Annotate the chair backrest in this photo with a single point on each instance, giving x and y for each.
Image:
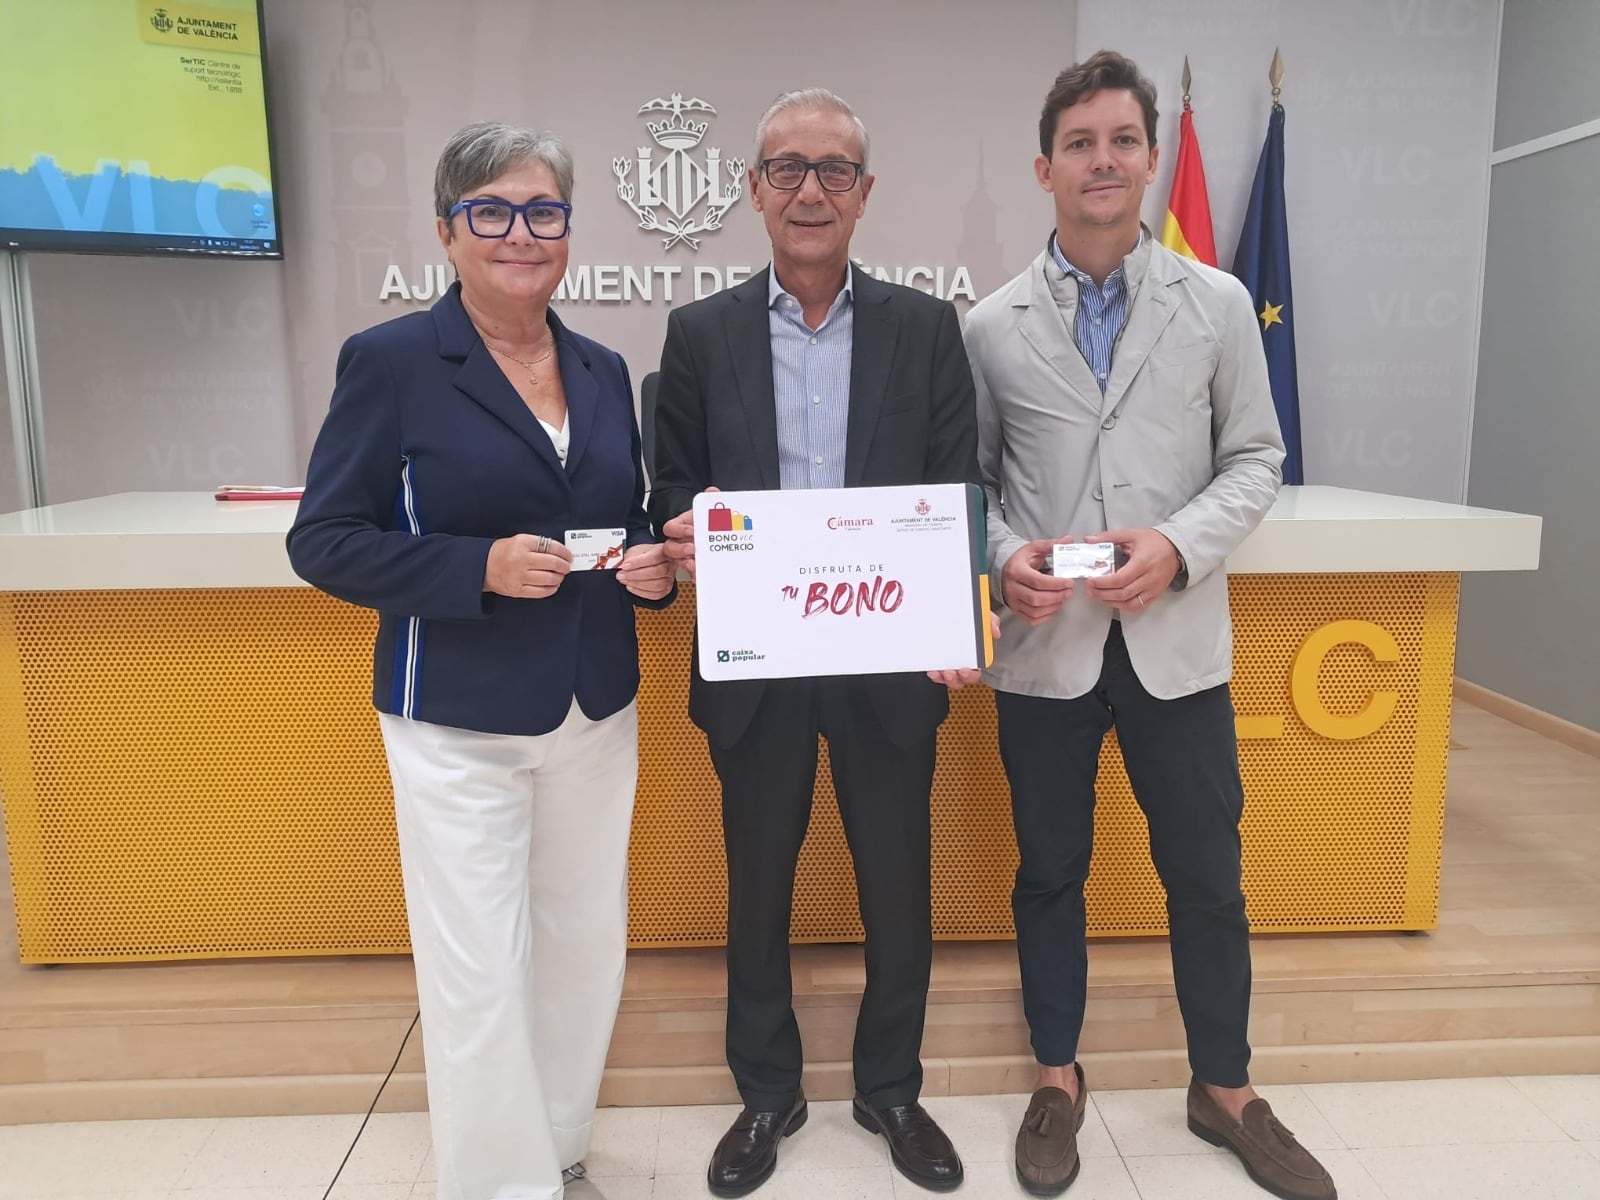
(647, 425)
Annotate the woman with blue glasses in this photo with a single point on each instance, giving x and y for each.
(463, 446)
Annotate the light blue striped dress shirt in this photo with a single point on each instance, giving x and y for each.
(811, 385)
(1101, 314)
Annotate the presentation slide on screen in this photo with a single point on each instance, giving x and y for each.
(134, 125)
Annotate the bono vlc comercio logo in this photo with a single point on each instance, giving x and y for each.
(728, 529)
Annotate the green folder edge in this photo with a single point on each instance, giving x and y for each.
(978, 549)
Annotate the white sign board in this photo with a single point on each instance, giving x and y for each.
(841, 581)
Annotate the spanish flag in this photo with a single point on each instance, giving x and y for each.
(1188, 228)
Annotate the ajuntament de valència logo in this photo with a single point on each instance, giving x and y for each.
(681, 191)
(672, 188)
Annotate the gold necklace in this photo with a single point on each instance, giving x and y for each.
(527, 365)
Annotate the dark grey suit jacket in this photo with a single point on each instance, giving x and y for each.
(912, 420)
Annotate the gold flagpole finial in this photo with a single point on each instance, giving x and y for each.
(1187, 79)
(1275, 74)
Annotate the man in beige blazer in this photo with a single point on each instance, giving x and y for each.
(1123, 397)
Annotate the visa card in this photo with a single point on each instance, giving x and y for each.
(596, 549)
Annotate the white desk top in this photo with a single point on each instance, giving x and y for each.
(189, 540)
(1331, 530)
(147, 540)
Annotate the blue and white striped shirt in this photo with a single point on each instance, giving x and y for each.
(1101, 313)
(811, 386)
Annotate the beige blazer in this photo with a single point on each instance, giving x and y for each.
(1185, 440)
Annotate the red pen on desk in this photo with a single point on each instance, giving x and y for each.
(257, 491)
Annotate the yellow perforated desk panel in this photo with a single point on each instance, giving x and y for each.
(197, 773)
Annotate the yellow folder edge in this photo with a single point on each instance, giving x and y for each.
(983, 619)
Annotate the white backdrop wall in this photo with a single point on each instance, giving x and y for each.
(380, 97)
(1390, 109)
(179, 375)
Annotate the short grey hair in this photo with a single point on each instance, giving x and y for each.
(481, 153)
(811, 99)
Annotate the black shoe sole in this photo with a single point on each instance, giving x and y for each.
(866, 1122)
(744, 1189)
(1216, 1139)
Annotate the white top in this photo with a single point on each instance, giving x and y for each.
(189, 540)
(559, 438)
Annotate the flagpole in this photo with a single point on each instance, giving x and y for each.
(1274, 76)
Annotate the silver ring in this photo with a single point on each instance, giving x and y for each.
(544, 544)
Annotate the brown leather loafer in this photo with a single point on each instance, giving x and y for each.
(748, 1153)
(1269, 1152)
(917, 1146)
(1047, 1143)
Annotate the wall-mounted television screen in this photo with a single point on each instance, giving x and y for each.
(135, 127)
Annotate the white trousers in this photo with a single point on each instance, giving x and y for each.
(514, 852)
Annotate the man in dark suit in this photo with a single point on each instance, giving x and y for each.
(813, 374)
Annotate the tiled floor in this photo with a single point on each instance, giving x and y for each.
(1462, 1139)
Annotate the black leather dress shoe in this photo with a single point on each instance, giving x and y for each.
(748, 1153)
(919, 1148)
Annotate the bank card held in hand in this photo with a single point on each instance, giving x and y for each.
(596, 549)
(1083, 560)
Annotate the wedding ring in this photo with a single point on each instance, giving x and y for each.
(1141, 601)
(544, 544)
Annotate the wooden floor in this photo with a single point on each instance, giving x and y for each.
(1508, 984)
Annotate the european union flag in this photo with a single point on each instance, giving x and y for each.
(1262, 263)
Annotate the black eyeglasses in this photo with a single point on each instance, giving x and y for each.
(789, 174)
(548, 220)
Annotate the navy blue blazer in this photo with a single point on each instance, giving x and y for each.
(426, 457)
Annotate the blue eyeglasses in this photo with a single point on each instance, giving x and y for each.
(548, 220)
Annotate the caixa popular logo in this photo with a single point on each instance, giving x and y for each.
(678, 194)
(728, 529)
